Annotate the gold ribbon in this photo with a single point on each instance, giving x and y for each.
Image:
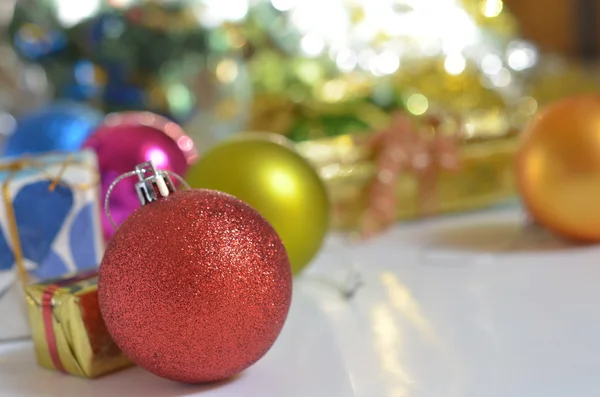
(13, 169)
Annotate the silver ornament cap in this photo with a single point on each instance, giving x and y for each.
(152, 183)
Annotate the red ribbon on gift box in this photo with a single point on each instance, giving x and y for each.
(48, 314)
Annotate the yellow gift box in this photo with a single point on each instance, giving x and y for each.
(68, 331)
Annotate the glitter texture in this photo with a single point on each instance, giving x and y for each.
(195, 287)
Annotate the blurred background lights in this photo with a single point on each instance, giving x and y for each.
(521, 56)
(283, 5)
(217, 12)
(491, 8)
(455, 64)
(334, 91)
(227, 71)
(365, 57)
(70, 12)
(346, 60)
(385, 63)
(121, 3)
(502, 79)
(417, 104)
(491, 64)
(312, 45)
(381, 38)
(376, 35)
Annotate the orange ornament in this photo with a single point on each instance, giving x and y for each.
(558, 168)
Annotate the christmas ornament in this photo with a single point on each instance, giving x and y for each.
(61, 126)
(196, 285)
(558, 171)
(127, 139)
(265, 171)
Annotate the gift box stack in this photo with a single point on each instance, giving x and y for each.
(50, 226)
(50, 229)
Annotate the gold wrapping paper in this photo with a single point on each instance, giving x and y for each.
(68, 331)
(485, 178)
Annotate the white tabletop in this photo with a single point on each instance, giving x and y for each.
(457, 307)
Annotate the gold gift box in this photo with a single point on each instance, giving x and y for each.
(68, 331)
(485, 178)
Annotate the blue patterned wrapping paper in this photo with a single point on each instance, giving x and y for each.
(59, 230)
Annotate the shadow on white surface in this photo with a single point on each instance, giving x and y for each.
(499, 237)
(305, 361)
(22, 377)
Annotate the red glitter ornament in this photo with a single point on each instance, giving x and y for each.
(195, 287)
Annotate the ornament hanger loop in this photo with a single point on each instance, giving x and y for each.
(347, 288)
(152, 184)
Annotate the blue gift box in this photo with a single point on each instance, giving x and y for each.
(49, 226)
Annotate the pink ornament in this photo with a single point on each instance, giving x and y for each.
(126, 139)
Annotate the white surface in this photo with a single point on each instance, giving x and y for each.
(458, 307)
